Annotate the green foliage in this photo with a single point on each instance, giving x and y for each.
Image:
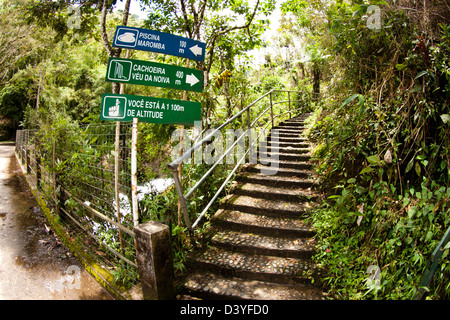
(382, 150)
(203, 195)
(55, 15)
(153, 149)
(14, 99)
(159, 207)
(123, 275)
(59, 82)
(379, 226)
(381, 127)
(180, 247)
(271, 83)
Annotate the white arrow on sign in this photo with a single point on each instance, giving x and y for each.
(196, 50)
(191, 79)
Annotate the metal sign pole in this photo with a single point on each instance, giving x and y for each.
(180, 166)
(121, 107)
(134, 202)
(116, 167)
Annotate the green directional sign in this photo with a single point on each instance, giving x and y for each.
(154, 74)
(123, 107)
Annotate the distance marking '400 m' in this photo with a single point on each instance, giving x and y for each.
(154, 74)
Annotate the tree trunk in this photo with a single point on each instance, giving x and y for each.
(316, 83)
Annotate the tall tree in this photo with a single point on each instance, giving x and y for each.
(207, 21)
(309, 25)
(112, 52)
(16, 42)
(65, 16)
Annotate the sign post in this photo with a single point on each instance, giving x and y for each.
(154, 74)
(160, 42)
(122, 107)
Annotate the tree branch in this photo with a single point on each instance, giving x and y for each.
(109, 49)
(200, 20)
(104, 36)
(126, 13)
(186, 20)
(249, 22)
(218, 34)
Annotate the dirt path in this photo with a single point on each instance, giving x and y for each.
(34, 264)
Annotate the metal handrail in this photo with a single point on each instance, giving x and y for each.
(174, 164)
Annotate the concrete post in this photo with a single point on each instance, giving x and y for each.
(154, 260)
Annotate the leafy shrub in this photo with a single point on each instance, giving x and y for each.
(382, 154)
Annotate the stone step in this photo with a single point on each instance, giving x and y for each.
(274, 137)
(275, 193)
(285, 132)
(292, 164)
(211, 286)
(260, 246)
(256, 267)
(302, 116)
(297, 124)
(288, 129)
(291, 123)
(267, 157)
(289, 139)
(284, 144)
(276, 181)
(296, 120)
(274, 169)
(285, 150)
(282, 126)
(261, 224)
(301, 248)
(261, 206)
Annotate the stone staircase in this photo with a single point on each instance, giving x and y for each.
(260, 247)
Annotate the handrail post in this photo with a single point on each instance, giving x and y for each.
(134, 201)
(249, 132)
(289, 104)
(271, 107)
(181, 198)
